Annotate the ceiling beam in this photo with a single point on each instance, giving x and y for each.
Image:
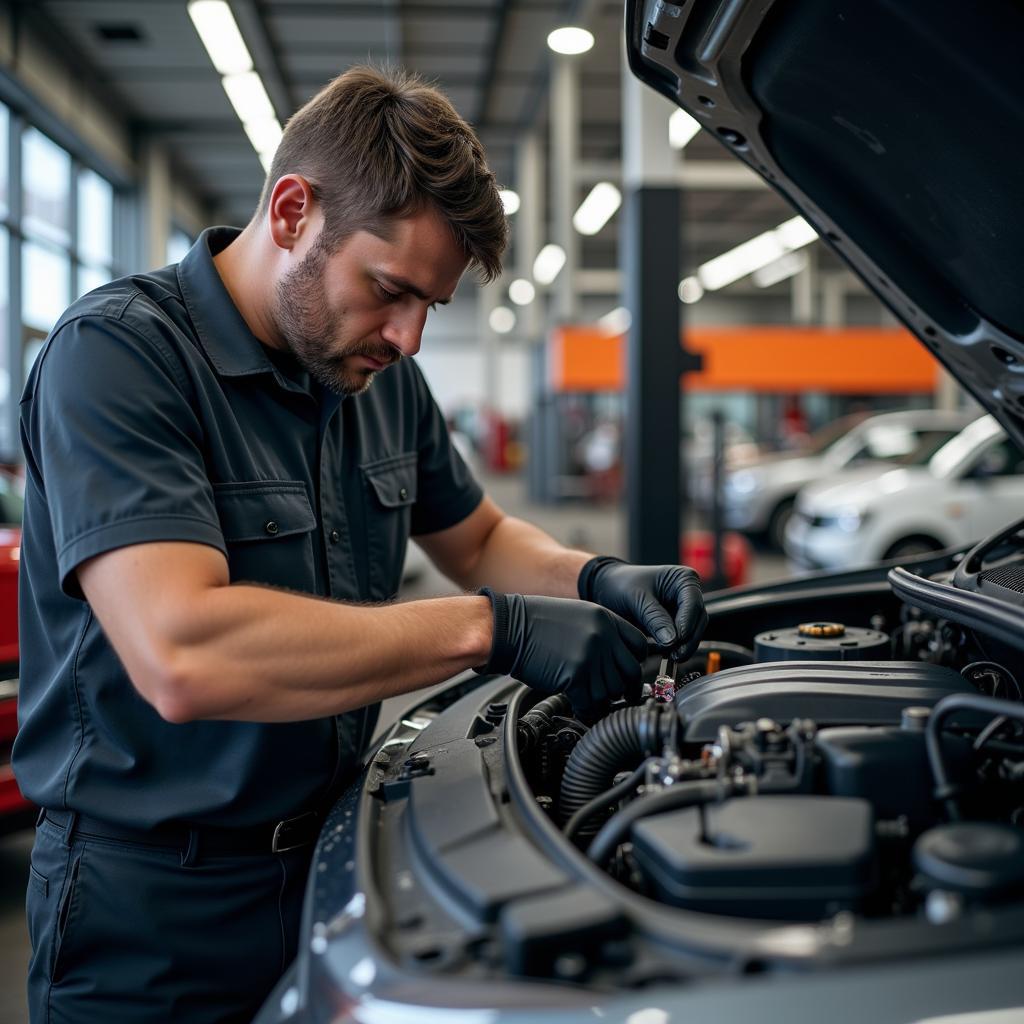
(491, 64)
(695, 175)
(373, 10)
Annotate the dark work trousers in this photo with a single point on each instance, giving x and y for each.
(123, 932)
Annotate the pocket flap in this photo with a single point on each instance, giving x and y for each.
(393, 480)
(263, 509)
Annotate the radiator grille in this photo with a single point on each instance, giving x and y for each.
(1009, 576)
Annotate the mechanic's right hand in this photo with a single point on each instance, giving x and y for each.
(557, 645)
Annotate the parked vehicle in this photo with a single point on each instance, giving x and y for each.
(15, 811)
(758, 498)
(822, 820)
(973, 484)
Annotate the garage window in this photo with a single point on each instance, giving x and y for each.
(57, 218)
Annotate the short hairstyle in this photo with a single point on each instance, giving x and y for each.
(377, 144)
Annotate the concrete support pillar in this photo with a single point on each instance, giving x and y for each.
(156, 213)
(947, 391)
(527, 226)
(650, 260)
(564, 146)
(802, 291)
(833, 299)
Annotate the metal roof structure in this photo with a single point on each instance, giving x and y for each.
(490, 57)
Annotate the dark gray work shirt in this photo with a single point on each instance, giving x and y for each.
(153, 414)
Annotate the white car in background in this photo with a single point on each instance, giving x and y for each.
(758, 498)
(970, 486)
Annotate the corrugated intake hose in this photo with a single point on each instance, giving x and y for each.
(617, 743)
(537, 722)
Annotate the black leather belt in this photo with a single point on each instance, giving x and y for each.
(211, 840)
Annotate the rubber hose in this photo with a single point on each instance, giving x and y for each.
(536, 723)
(945, 791)
(685, 794)
(616, 743)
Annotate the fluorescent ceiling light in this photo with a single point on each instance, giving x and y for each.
(248, 97)
(596, 210)
(785, 266)
(570, 40)
(681, 129)
(795, 232)
(617, 321)
(510, 200)
(502, 319)
(217, 29)
(756, 253)
(264, 135)
(548, 264)
(690, 290)
(521, 291)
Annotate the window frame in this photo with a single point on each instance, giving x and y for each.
(24, 112)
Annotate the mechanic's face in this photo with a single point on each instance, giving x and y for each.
(349, 314)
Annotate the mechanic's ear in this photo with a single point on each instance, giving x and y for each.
(292, 211)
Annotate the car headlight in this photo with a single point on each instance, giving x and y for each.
(849, 520)
(743, 481)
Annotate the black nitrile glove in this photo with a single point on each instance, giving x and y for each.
(557, 645)
(664, 600)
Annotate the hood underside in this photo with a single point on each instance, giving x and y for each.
(894, 128)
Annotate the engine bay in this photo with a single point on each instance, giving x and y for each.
(835, 778)
(871, 767)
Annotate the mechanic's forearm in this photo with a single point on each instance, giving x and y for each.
(518, 557)
(255, 654)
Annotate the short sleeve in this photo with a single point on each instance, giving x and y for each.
(447, 492)
(115, 444)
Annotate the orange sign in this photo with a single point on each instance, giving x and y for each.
(847, 360)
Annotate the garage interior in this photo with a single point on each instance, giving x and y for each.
(642, 254)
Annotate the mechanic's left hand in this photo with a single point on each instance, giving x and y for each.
(664, 600)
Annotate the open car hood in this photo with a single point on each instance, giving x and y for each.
(894, 128)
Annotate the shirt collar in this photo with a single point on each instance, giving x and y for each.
(225, 336)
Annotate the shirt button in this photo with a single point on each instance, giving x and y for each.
(272, 528)
(403, 494)
(334, 536)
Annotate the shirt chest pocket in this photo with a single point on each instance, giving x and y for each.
(268, 527)
(390, 489)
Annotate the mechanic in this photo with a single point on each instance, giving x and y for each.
(217, 509)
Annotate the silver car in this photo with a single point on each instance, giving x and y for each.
(758, 498)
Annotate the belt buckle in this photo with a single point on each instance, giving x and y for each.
(280, 843)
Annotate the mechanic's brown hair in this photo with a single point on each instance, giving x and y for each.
(377, 144)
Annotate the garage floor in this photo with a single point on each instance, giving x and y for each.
(594, 528)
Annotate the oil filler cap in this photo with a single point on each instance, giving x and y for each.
(821, 629)
(822, 641)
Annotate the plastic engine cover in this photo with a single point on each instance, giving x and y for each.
(828, 692)
(792, 857)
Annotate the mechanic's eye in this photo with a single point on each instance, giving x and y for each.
(385, 294)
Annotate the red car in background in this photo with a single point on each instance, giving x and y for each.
(15, 810)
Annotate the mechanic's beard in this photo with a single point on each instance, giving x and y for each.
(311, 329)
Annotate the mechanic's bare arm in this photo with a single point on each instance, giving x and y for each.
(198, 647)
(489, 548)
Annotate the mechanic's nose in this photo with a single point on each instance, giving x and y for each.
(405, 331)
